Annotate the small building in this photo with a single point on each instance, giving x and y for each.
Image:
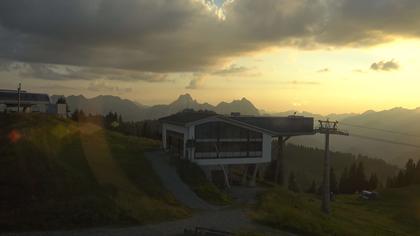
(23, 101)
(217, 142)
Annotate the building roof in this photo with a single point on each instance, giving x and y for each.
(11, 97)
(275, 126)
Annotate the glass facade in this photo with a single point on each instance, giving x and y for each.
(223, 140)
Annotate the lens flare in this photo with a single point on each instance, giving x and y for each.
(14, 136)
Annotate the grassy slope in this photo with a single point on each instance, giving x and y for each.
(396, 212)
(48, 180)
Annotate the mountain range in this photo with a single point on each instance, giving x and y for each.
(391, 135)
(133, 111)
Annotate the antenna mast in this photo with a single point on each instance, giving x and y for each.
(19, 91)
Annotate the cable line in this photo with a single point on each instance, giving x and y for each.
(384, 140)
(382, 130)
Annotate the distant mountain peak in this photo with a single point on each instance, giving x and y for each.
(245, 100)
(368, 112)
(185, 100)
(186, 96)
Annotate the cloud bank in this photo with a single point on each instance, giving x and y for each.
(163, 36)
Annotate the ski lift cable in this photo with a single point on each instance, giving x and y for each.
(379, 129)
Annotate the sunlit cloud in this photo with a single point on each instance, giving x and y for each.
(197, 82)
(231, 70)
(106, 87)
(298, 82)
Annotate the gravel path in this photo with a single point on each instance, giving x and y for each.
(173, 183)
(227, 220)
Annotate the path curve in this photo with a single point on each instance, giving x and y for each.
(233, 220)
(173, 183)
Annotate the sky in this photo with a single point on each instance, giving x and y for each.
(321, 56)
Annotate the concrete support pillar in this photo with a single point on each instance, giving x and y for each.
(279, 174)
(244, 175)
(226, 175)
(253, 181)
(261, 172)
(207, 172)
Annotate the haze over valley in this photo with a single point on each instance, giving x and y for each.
(370, 124)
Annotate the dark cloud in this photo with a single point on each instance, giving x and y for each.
(60, 72)
(385, 66)
(369, 22)
(184, 35)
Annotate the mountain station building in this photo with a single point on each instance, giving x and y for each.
(219, 142)
(27, 102)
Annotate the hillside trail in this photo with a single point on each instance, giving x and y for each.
(173, 183)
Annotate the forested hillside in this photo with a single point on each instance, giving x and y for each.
(307, 164)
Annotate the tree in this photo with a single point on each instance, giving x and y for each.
(373, 182)
(313, 188)
(333, 182)
(417, 176)
(61, 100)
(409, 176)
(344, 182)
(410, 172)
(78, 116)
(293, 186)
(74, 115)
(390, 182)
(352, 179)
(361, 182)
(400, 180)
(145, 131)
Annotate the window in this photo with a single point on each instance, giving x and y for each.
(205, 147)
(207, 131)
